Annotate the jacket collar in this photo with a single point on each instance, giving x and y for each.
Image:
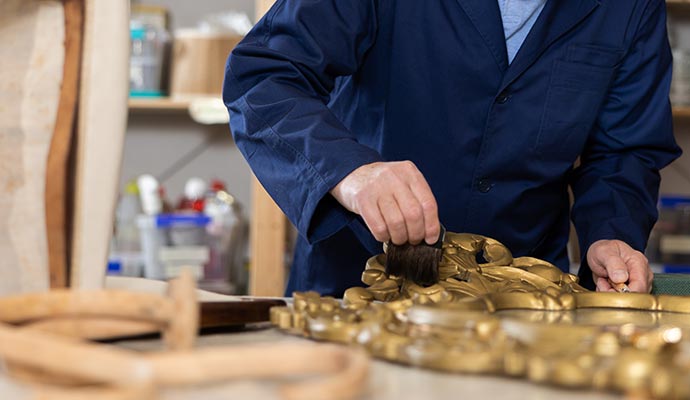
(486, 18)
(556, 19)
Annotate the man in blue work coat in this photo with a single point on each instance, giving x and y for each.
(368, 120)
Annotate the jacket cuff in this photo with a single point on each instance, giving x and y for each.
(322, 215)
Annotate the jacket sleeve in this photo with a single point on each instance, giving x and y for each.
(617, 183)
(277, 86)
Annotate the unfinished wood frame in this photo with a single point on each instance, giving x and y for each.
(57, 171)
(66, 367)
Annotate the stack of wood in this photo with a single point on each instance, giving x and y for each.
(44, 344)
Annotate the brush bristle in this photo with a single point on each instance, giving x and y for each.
(416, 263)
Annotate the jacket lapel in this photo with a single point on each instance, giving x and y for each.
(486, 17)
(556, 19)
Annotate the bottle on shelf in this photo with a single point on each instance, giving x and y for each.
(126, 247)
(151, 238)
(194, 196)
(228, 234)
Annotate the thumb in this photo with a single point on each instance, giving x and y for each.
(616, 268)
(609, 259)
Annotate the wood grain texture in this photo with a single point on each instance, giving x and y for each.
(268, 227)
(57, 169)
(212, 315)
(199, 63)
(96, 328)
(220, 314)
(32, 52)
(101, 128)
(267, 236)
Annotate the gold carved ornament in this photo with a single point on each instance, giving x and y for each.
(518, 317)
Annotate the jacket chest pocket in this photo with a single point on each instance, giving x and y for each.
(575, 95)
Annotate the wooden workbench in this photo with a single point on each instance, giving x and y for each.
(388, 381)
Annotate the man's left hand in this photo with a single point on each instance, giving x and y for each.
(617, 261)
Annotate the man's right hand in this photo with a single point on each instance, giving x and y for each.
(394, 200)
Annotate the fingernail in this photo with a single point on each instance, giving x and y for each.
(619, 276)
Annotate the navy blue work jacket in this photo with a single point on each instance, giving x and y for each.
(321, 87)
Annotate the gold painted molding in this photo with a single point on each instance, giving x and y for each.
(518, 317)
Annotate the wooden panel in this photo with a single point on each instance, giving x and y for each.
(162, 104)
(267, 230)
(101, 129)
(57, 169)
(32, 55)
(199, 63)
(681, 112)
(262, 6)
(246, 311)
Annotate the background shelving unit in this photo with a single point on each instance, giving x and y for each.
(163, 104)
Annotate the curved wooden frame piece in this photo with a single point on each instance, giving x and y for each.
(95, 328)
(65, 367)
(108, 314)
(183, 326)
(65, 303)
(56, 194)
(518, 317)
(36, 357)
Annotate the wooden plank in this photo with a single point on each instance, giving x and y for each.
(681, 112)
(32, 52)
(199, 62)
(267, 231)
(262, 6)
(57, 168)
(163, 104)
(101, 128)
(247, 311)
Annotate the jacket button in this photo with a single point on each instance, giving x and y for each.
(484, 185)
(503, 98)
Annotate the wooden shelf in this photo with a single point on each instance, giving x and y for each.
(163, 104)
(681, 112)
(681, 7)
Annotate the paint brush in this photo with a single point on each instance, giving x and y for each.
(416, 262)
(619, 287)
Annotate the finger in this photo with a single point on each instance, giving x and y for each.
(421, 190)
(395, 222)
(603, 285)
(412, 214)
(375, 222)
(640, 274)
(594, 256)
